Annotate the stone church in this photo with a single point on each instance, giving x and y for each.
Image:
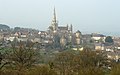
(64, 33)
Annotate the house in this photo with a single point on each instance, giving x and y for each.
(24, 39)
(78, 37)
(109, 47)
(10, 38)
(86, 38)
(98, 37)
(114, 55)
(99, 46)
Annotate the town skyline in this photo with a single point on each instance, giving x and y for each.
(96, 18)
(59, 37)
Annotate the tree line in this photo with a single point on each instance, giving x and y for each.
(23, 60)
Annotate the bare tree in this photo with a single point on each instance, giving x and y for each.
(23, 56)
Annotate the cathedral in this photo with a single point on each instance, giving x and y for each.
(55, 28)
(61, 37)
(64, 33)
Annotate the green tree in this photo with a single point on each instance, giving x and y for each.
(4, 52)
(109, 39)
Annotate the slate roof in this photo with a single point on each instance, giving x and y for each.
(62, 28)
(98, 35)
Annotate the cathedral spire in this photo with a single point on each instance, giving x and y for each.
(54, 22)
(54, 15)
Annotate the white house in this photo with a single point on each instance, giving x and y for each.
(98, 37)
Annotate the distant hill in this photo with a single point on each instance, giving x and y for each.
(4, 27)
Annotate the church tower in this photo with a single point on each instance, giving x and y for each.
(71, 28)
(54, 23)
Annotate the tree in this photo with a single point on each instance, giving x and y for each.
(42, 70)
(56, 42)
(23, 57)
(4, 27)
(109, 39)
(16, 29)
(4, 52)
(63, 62)
(84, 62)
(115, 70)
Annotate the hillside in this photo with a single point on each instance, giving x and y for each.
(4, 27)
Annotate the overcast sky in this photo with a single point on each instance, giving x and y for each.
(85, 15)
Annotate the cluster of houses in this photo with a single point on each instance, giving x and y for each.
(62, 37)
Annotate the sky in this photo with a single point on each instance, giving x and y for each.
(84, 15)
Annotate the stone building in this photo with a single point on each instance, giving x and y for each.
(78, 37)
(61, 31)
